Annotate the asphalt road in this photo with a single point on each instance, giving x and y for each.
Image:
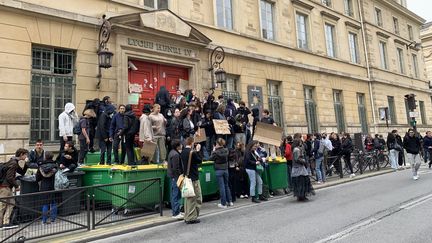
(387, 208)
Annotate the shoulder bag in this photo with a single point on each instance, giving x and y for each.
(187, 189)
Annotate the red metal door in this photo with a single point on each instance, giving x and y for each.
(151, 77)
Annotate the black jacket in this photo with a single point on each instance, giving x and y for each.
(250, 160)
(162, 97)
(175, 167)
(36, 159)
(195, 161)
(412, 144)
(71, 163)
(172, 129)
(220, 158)
(208, 126)
(103, 126)
(347, 146)
(46, 175)
(131, 124)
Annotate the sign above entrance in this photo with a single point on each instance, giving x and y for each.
(161, 47)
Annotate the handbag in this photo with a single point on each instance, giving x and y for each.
(187, 189)
(181, 177)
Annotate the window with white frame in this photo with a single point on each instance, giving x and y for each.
(156, 4)
(349, 8)
(383, 54)
(353, 45)
(267, 20)
(224, 14)
(415, 65)
(230, 88)
(302, 31)
(330, 40)
(378, 17)
(52, 86)
(400, 55)
(396, 25)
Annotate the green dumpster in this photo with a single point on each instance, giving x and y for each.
(167, 192)
(277, 174)
(137, 195)
(207, 177)
(94, 158)
(98, 175)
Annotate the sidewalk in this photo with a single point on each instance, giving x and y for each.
(208, 208)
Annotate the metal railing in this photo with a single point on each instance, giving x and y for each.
(43, 214)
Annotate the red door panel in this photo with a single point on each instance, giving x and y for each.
(152, 76)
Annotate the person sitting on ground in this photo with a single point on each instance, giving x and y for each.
(46, 176)
(68, 159)
(37, 155)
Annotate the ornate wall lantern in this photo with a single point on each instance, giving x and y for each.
(216, 57)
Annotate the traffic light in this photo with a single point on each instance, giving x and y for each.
(411, 101)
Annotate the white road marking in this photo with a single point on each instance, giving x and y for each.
(349, 231)
(416, 202)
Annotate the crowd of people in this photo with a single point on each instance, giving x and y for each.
(171, 125)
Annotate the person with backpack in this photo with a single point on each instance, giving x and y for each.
(158, 124)
(67, 120)
(393, 149)
(207, 124)
(8, 173)
(84, 136)
(174, 170)
(102, 133)
(93, 121)
(68, 159)
(45, 176)
(116, 127)
(131, 127)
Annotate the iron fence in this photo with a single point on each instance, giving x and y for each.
(43, 214)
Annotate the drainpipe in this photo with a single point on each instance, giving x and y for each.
(360, 7)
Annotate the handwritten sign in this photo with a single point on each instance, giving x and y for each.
(268, 134)
(221, 127)
(148, 149)
(135, 88)
(200, 136)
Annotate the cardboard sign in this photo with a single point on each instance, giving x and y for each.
(183, 85)
(268, 134)
(221, 127)
(200, 136)
(148, 149)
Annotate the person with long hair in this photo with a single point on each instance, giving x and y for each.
(392, 146)
(252, 160)
(347, 148)
(301, 183)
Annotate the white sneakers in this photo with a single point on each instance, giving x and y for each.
(231, 204)
(415, 177)
(352, 175)
(222, 206)
(179, 216)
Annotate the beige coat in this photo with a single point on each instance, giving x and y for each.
(145, 131)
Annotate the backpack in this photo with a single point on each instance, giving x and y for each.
(322, 149)
(60, 181)
(3, 171)
(77, 128)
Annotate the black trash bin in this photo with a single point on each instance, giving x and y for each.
(73, 203)
(24, 203)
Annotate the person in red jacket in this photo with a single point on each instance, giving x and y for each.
(289, 157)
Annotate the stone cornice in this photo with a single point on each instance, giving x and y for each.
(406, 12)
(382, 34)
(302, 4)
(39, 9)
(353, 25)
(329, 15)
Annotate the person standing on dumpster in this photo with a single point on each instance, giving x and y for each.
(115, 130)
(192, 204)
(130, 128)
(175, 169)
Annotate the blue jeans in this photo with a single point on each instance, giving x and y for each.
(52, 213)
(320, 172)
(255, 180)
(394, 156)
(224, 190)
(175, 197)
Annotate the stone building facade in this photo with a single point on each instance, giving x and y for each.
(318, 65)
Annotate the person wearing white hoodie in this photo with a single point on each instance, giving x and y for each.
(67, 119)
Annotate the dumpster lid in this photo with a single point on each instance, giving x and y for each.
(207, 162)
(121, 167)
(278, 159)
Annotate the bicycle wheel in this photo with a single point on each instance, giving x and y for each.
(384, 161)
